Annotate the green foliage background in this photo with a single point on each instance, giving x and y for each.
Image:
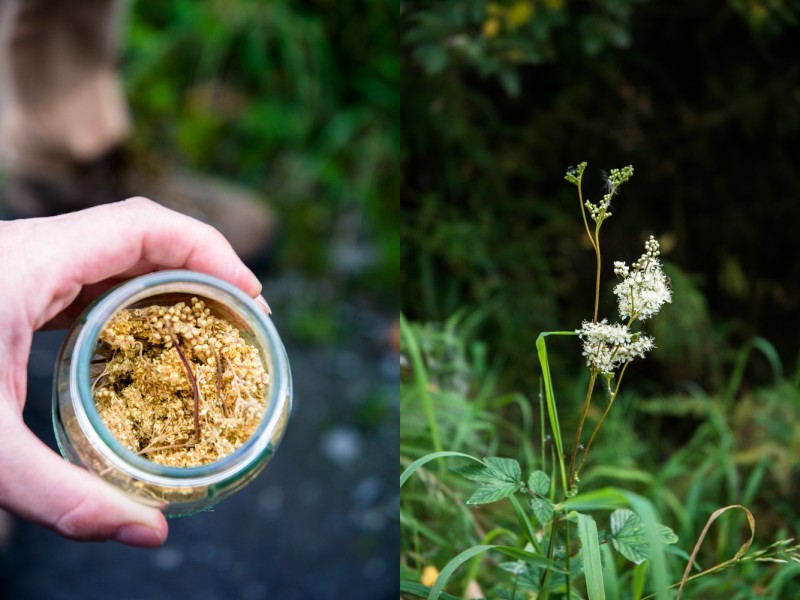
(298, 101)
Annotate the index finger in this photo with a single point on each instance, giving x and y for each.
(117, 241)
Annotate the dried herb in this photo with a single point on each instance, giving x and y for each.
(178, 384)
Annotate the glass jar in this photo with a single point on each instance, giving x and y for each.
(84, 439)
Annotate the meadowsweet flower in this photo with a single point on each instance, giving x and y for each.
(644, 288)
(607, 346)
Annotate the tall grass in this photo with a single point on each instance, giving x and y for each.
(742, 451)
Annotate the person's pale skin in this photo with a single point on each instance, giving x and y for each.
(49, 268)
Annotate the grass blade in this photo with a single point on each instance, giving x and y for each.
(422, 591)
(552, 410)
(610, 498)
(525, 522)
(745, 547)
(421, 379)
(592, 566)
(410, 469)
(450, 567)
(658, 561)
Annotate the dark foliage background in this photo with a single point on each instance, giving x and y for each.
(703, 98)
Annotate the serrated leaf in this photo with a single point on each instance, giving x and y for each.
(504, 468)
(542, 509)
(499, 478)
(477, 473)
(628, 536)
(492, 492)
(539, 483)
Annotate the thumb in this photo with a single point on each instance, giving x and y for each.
(36, 484)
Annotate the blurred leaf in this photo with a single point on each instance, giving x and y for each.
(629, 538)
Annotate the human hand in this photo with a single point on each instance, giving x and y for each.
(45, 264)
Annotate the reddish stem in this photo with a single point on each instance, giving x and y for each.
(192, 378)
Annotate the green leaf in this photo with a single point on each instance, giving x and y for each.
(628, 535)
(492, 492)
(505, 467)
(592, 566)
(499, 478)
(542, 509)
(539, 483)
(477, 473)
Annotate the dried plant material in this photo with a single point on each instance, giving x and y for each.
(178, 384)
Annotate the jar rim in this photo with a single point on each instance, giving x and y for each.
(195, 284)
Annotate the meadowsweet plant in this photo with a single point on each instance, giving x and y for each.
(641, 292)
(551, 558)
(572, 542)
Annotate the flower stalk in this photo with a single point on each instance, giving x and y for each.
(609, 348)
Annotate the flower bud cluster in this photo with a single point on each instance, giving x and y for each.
(619, 176)
(599, 212)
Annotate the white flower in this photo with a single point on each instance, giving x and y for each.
(644, 288)
(608, 346)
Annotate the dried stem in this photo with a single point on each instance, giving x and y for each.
(192, 378)
(149, 449)
(219, 383)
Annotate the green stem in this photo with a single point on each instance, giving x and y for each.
(576, 443)
(567, 542)
(583, 214)
(596, 245)
(544, 583)
(603, 418)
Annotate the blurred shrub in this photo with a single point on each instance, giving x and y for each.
(297, 100)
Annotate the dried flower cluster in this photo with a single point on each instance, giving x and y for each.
(644, 289)
(178, 384)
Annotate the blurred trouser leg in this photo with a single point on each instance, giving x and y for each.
(63, 118)
(61, 104)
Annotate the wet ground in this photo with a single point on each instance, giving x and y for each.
(321, 522)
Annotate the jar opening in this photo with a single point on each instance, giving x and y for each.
(167, 288)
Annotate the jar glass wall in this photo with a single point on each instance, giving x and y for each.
(85, 440)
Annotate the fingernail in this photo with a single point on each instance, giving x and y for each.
(263, 304)
(135, 534)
